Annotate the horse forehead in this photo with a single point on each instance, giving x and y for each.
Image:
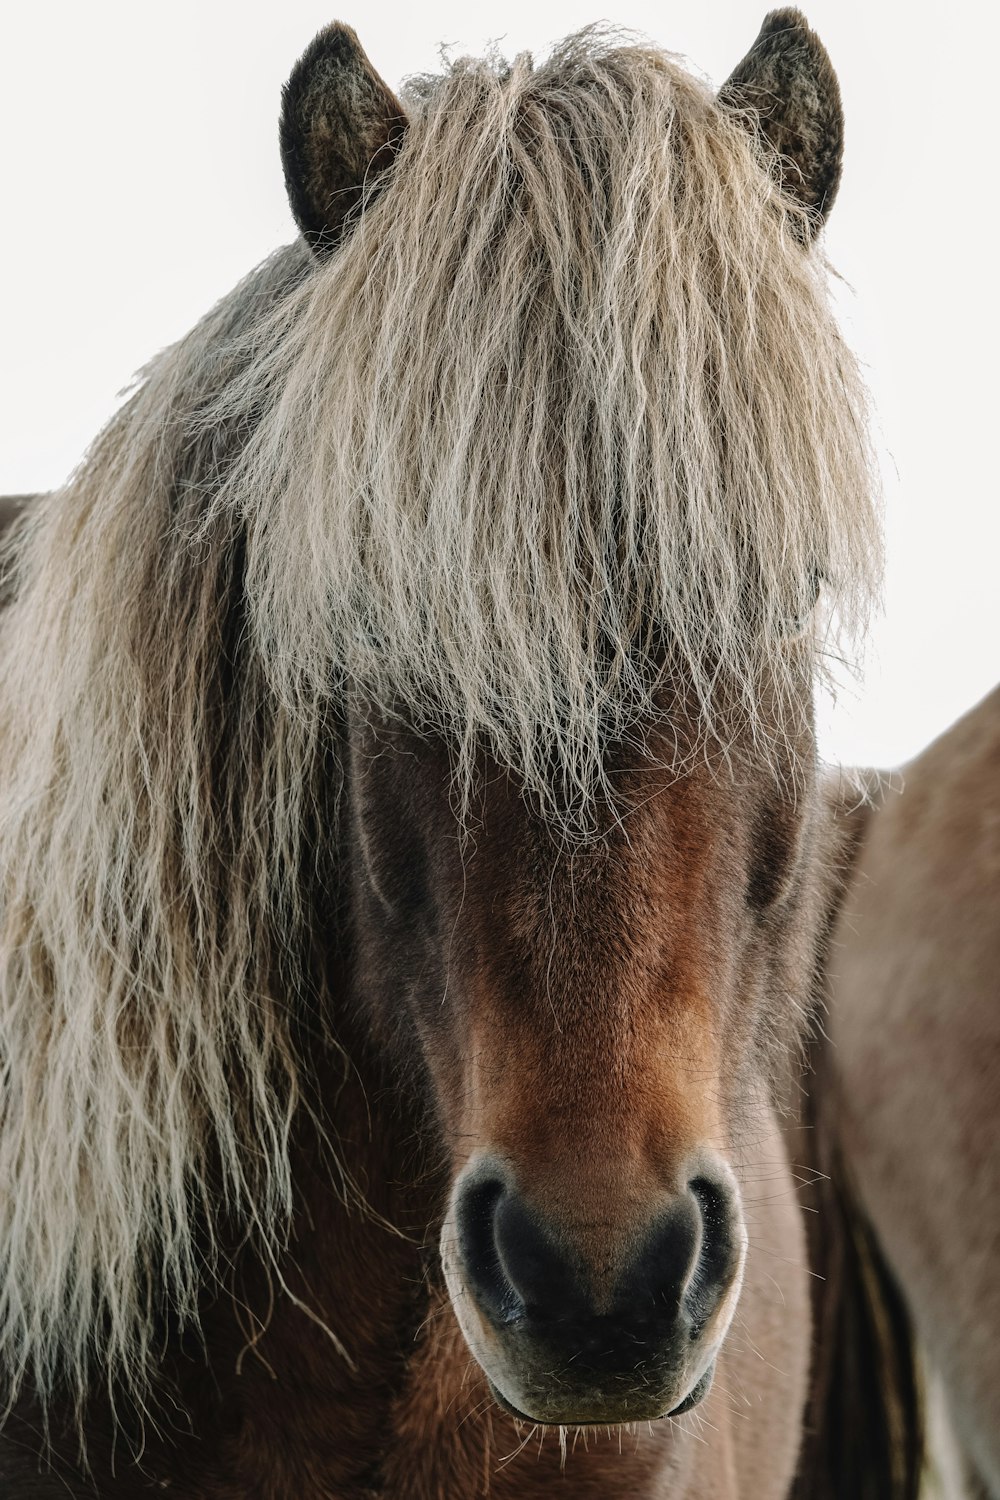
(670, 847)
(668, 844)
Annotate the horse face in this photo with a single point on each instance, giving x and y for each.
(590, 1020)
(589, 1017)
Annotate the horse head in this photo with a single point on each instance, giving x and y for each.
(584, 1003)
(428, 646)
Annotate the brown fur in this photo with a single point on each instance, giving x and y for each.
(865, 1377)
(863, 1425)
(916, 1030)
(412, 1418)
(295, 920)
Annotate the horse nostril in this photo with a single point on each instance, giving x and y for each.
(475, 1220)
(688, 1259)
(548, 1285)
(718, 1252)
(511, 1264)
(653, 1283)
(518, 1269)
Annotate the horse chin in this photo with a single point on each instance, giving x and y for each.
(698, 1392)
(614, 1417)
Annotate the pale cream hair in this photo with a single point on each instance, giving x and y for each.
(567, 411)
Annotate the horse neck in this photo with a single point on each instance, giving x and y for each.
(305, 1359)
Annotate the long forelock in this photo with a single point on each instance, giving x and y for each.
(568, 406)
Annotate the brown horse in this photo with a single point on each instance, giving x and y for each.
(915, 1031)
(411, 857)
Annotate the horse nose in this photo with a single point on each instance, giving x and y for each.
(672, 1275)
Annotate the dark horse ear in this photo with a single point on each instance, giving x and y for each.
(341, 127)
(788, 82)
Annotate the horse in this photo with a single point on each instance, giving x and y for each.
(915, 1058)
(412, 853)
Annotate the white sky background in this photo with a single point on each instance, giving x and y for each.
(141, 180)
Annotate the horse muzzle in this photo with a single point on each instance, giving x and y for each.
(567, 1336)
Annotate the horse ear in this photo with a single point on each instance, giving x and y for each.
(341, 127)
(787, 84)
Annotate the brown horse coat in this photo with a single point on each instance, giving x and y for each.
(914, 975)
(412, 857)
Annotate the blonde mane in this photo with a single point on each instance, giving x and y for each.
(568, 402)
